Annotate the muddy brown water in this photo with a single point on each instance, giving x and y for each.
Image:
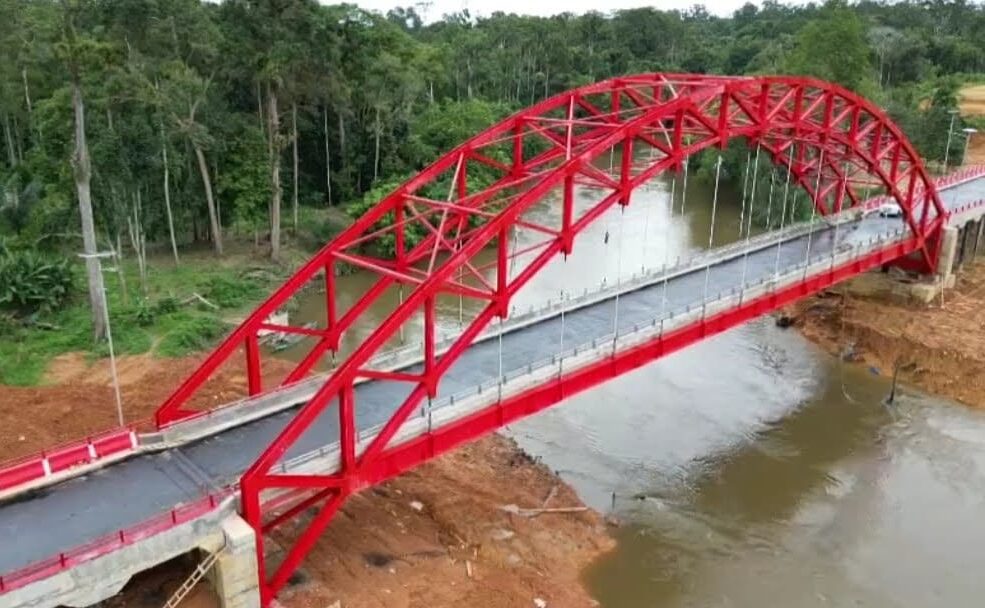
(751, 469)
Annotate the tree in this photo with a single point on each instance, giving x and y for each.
(181, 94)
(75, 51)
(833, 47)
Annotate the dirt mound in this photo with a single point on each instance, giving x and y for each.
(439, 536)
(940, 350)
(976, 150)
(78, 397)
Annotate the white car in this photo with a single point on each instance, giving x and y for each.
(890, 210)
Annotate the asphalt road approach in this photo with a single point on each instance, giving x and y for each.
(69, 514)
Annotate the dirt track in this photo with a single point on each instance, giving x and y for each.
(971, 101)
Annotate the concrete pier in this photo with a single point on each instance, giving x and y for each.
(950, 239)
(234, 575)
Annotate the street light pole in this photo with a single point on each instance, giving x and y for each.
(967, 143)
(950, 132)
(109, 334)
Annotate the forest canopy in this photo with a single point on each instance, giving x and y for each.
(207, 121)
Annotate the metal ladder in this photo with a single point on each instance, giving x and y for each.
(200, 571)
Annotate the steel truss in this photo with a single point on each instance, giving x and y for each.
(835, 144)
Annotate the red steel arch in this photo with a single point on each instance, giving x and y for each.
(835, 143)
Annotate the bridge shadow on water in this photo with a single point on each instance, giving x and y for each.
(723, 522)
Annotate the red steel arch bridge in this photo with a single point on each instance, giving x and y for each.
(448, 235)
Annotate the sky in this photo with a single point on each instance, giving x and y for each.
(438, 8)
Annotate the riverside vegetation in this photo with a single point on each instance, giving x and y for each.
(212, 144)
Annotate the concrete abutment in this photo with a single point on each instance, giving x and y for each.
(234, 576)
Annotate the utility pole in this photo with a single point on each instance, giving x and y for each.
(950, 132)
(97, 259)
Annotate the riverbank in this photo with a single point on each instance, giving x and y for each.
(939, 350)
(442, 535)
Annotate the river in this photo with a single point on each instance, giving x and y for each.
(751, 469)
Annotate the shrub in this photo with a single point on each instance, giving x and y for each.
(166, 305)
(31, 282)
(191, 334)
(144, 314)
(229, 292)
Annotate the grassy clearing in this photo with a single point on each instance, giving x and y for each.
(166, 320)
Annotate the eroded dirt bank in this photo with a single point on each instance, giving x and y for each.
(939, 350)
(440, 536)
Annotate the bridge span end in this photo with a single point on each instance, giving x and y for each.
(222, 531)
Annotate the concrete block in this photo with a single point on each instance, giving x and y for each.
(949, 251)
(234, 575)
(895, 288)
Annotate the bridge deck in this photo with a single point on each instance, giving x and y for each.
(57, 518)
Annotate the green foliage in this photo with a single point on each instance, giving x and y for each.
(377, 98)
(144, 314)
(327, 229)
(925, 113)
(244, 183)
(32, 282)
(442, 126)
(190, 333)
(384, 244)
(833, 47)
(229, 291)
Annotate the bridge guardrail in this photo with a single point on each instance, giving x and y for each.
(943, 182)
(443, 404)
(413, 353)
(410, 354)
(112, 442)
(45, 463)
(444, 408)
(111, 542)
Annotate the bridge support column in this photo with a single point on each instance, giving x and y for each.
(979, 242)
(949, 252)
(234, 575)
(959, 256)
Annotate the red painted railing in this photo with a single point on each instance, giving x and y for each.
(109, 543)
(945, 181)
(66, 456)
(962, 175)
(119, 440)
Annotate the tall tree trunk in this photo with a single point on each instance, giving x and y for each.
(328, 163)
(138, 240)
(27, 93)
(294, 141)
(83, 175)
(273, 127)
(203, 168)
(215, 180)
(11, 151)
(17, 142)
(260, 116)
(120, 273)
(167, 196)
(431, 91)
(341, 140)
(376, 153)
